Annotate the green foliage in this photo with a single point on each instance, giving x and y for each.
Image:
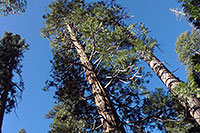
(65, 121)
(100, 28)
(12, 48)
(188, 50)
(71, 90)
(192, 10)
(187, 45)
(164, 111)
(12, 7)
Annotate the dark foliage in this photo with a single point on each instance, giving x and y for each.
(12, 48)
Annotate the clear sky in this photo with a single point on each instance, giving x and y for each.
(155, 14)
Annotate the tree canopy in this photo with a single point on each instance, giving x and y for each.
(188, 50)
(97, 70)
(115, 64)
(101, 29)
(12, 7)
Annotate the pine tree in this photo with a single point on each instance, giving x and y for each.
(12, 48)
(83, 36)
(80, 29)
(191, 103)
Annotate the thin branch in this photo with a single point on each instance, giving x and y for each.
(112, 78)
(126, 69)
(135, 75)
(91, 104)
(108, 83)
(123, 81)
(16, 86)
(98, 127)
(98, 59)
(93, 44)
(87, 41)
(101, 58)
(94, 125)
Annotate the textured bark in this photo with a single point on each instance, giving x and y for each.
(3, 100)
(109, 118)
(170, 81)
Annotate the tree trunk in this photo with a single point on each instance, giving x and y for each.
(3, 100)
(170, 81)
(109, 118)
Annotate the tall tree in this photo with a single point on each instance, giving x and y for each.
(70, 23)
(110, 119)
(83, 30)
(191, 103)
(85, 37)
(12, 7)
(12, 48)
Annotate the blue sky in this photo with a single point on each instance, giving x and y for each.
(154, 14)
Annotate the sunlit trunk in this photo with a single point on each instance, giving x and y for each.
(170, 81)
(109, 118)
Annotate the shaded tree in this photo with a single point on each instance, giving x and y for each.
(73, 110)
(12, 48)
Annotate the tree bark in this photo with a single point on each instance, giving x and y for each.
(3, 100)
(170, 81)
(109, 118)
(192, 104)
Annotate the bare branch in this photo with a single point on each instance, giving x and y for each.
(16, 86)
(108, 83)
(99, 61)
(123, 81)
(135, 75)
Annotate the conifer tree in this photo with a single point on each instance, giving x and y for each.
(83, 36)
(12, 48)
(60, 31)
(191, 103)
